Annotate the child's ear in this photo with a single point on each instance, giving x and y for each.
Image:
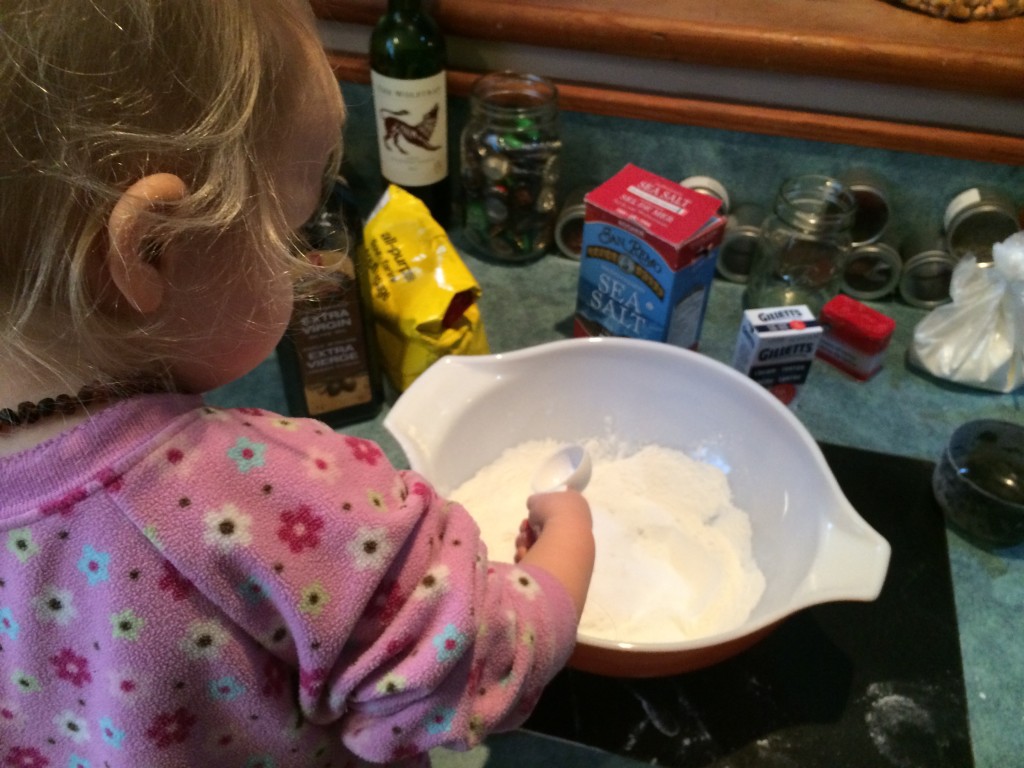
(132, 256)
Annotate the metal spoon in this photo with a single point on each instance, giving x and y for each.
(568, 467)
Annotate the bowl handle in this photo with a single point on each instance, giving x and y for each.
(851, 565)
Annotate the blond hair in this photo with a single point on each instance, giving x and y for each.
(97, 94)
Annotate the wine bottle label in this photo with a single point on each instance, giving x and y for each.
(412, 128)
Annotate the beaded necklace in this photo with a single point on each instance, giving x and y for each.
(28, 413)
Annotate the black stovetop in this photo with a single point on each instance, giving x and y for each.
(844, 685)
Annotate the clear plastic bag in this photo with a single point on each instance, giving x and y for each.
(978, 338)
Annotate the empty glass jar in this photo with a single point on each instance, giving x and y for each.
(510, 152)
(803, 245)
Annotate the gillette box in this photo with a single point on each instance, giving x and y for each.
(776, 347)
(647, 259)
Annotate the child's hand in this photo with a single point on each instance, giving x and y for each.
(542, 507)
(546, 508)
(526, 538)
(558, 536)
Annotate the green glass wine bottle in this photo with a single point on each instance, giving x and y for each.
(407, 68)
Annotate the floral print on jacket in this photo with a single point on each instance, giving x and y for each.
(183, 585)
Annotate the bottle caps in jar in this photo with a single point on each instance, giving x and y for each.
(510, 149)
(976, 219)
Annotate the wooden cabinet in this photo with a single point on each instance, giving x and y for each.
(863, 72)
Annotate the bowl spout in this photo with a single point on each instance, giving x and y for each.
(851, 564)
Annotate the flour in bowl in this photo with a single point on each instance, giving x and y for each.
(674, 559)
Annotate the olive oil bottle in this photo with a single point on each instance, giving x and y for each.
(328, 355)
(410, 100)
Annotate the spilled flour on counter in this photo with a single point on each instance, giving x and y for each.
(674, 559)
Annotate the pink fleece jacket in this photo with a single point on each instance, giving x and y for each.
(184, 586)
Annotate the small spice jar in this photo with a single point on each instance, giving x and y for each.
(510, 164)
(927, 271)
(871, 193)
(569, 225)
(978, 218)
(709, 186)
(739, 243)
(872, 271)
(803, 244)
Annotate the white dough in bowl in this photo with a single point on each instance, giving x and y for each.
(674, 559)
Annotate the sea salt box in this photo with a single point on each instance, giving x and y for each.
(647, 259)
(776, 347)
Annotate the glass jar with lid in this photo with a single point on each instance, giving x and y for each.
(803, 245)
(510, 164)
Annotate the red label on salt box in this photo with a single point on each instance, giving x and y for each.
(663, 210)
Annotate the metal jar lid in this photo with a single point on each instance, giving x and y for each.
(872, 271)
(927, 272)
(976, 219)
(569, 225)
(739, 242)
(871, 192)
(709, 186)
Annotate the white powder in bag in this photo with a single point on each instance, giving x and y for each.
(674, 559)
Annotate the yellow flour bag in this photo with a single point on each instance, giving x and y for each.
(424, 297)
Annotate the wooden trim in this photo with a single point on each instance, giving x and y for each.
(866, 40)
(838, 129)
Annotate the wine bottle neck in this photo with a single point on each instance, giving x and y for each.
(405, 6)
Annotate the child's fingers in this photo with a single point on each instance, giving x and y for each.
(526, 538)
(543, 506)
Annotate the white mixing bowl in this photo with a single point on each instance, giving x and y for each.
(812, 546)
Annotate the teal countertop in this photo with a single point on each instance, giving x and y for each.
(900, 411)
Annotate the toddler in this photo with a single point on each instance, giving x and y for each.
(189, 586)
